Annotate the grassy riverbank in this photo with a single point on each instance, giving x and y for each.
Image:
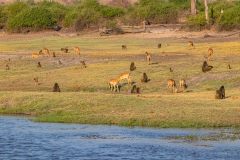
(85, 97)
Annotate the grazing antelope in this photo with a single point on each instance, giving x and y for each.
(114, 85)
(123, 76)
(171, 84)
(182, 84)
(148, 57)
(46, 52)
(35, 55)
(77, 50)
(190, 44)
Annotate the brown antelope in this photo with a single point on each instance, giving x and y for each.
(123, 76)
(35, 55)
(171, 84)
(77, 50)
(182, 84)
(210, 53)
(46, 52)
(148, 57)
(114, 85)
(190, 44)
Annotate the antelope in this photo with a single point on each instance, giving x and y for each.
(123, 76)
(183, 84)
(35, 55)
(46, 52)
(77, 50)
(148, 57)
(171, 84)
(210, 53)
(114, 85)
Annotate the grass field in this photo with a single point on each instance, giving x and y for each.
(86, 98)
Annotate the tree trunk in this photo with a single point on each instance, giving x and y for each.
(206, 11)
(193, 7)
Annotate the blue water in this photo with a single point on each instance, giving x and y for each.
(21, 138)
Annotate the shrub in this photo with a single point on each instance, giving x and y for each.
(197, 22)
(111, 12)
(36, 18)
(70, 18)
(15, 8)
(3, 17)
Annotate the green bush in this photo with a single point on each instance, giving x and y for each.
(111, 12)
(3, 17)
(70, 18)
(35, 18)
(15, 8)
(197, 22)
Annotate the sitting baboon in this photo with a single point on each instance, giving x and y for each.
(39, 65)
(182, 84)
(206, 67)
(7, 67)
(190, 43)
(114, 85)
(124, 47)
(170, 69)
(135, 89)
(53, 54)
(56, 88)
(159, 45)
(171, 84)
(83, 64)
(36, 81)
(132, 66)
(229, 66)
(145, 78)
(220, 94)
(65, 50)
(148, 57)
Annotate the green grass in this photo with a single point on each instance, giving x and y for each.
(85, 97)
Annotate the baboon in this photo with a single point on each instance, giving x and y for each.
(206, 67)
(56, 88)
(145, 78)
(190, 43)
(36, 81)
(132, 66)
(7, 67)
(220, 94)
(77, 50)
(159, 45)
(9, 59)
(148, 57)
(65, 50)
(114, 85)
(170, 69)
(182, 84)
(171, 84)
(39, 65)
(124, 47)
(135, 89)
(83, 64)
(59, 62)
(229, 66)
(53, 54)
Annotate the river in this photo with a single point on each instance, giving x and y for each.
(21, 138)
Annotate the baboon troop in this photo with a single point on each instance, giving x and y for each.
(36, 81)
(135, 90)
(124, 47)
(56, 88)
(39, 65)
(64, 50)
(206, 67)
(114, 85)
(148, 57)
(220, 93)
(132, 66)
(7, 67)
(159, 45)
(83, 64)
(145, 78)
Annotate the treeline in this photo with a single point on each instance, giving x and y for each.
(30, 16)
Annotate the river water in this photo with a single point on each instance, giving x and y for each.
(21, 138)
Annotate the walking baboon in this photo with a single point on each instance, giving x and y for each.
(65, 50)
(39, 65)
(148, 57)
(53, 54)
(36, 81)
(135, 89)
(159, 45)
(77, 50)
(183, 84)
(7, 67)
(83, 64)
(145, 78)
(132, 66)
(206, 67)
(170, 69)
(56, 88)
(229, 66)
(124, 47)
(220, 94)
(114, 85)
